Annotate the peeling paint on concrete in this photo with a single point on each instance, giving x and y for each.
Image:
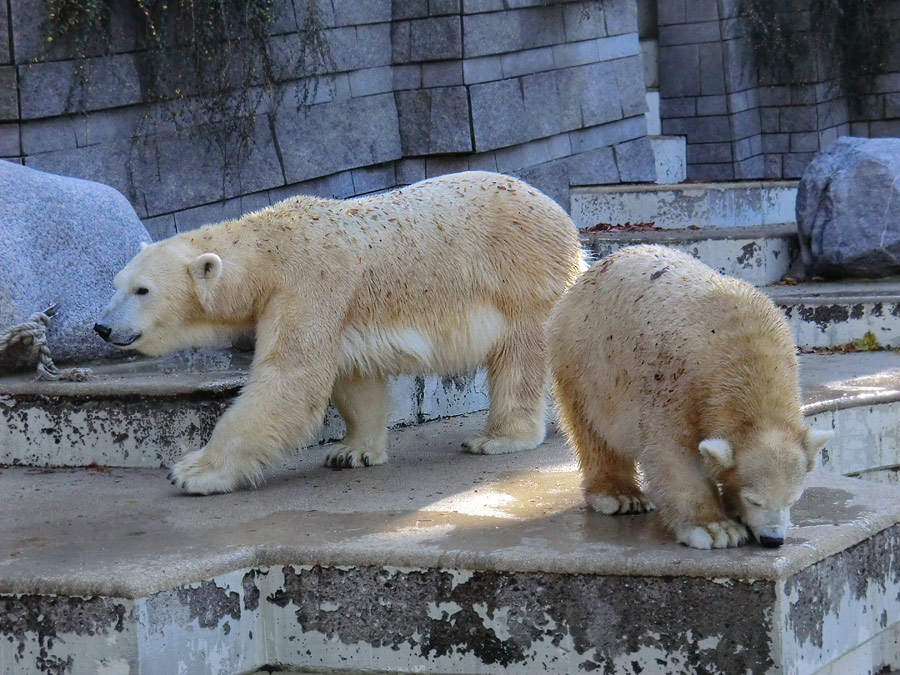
(47, 634)
(841, 602)
(201, 628)
(837, 323)
(513, 621)
(209, 604)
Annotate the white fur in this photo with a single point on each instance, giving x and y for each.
(718, 534)
(440, 277)
(718, 450)
(660, 361)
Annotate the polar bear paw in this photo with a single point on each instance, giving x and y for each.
(719, 534)
(497, 445)
(196, 474)
(350, 457)
(612, 504)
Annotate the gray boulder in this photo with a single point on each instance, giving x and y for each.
(848, 209)
(62, 240)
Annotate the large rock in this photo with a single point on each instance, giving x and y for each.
(62, 240)
(848, 209)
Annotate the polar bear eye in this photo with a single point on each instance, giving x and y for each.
(751, 501)
(143, 290)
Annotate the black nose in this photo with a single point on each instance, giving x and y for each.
(771, 542)
(103, 331)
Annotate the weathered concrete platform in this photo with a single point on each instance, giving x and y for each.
(437, 562)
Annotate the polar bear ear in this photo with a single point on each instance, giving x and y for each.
(144, 245)
(717, 451)
(815, 440)
(206, 267)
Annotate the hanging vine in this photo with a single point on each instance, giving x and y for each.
(207, 66)
(792, 38)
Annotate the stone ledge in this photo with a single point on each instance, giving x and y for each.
(680, 205)
(441, 561)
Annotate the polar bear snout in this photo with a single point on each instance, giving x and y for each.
(113, 329)
(770, 542)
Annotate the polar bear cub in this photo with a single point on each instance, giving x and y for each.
(659, 360)
(438, 277)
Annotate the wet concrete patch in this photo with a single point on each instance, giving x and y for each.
(825, 506)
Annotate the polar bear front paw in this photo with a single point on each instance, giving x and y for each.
(612, 504)
(196, 474)
(349, 457)
(497, 445)
(719, 534)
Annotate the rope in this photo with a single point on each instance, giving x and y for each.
(33, 333)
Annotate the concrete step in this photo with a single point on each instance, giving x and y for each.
(826, 314)
(679, 206)
(147, 412)
(757, 254)
(438, 562)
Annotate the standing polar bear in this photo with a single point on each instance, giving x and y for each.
(438, 277)
(659, 359)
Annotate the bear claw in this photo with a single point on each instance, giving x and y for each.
(612, 504)
(345, 456)
(718, 534)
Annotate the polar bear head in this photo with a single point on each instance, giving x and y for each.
(172, 296)
(762, 476)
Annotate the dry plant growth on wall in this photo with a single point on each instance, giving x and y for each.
(204, 66)
(808, 41)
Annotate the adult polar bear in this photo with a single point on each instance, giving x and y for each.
(440, 276)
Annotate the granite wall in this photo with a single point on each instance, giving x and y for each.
(550, 91)
(741, 124)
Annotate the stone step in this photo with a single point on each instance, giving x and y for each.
(679, 206)
(147, 412)
(757, 254)
(826, 314)
(438, 562)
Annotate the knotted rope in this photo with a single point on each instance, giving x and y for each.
(33, 333)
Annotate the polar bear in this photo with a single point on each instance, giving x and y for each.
(438, 277)
(660, 360)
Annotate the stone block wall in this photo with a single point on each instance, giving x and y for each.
(740, 125)
(549, 91)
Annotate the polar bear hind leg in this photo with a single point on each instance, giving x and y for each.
(517, 383)
(363, 402)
